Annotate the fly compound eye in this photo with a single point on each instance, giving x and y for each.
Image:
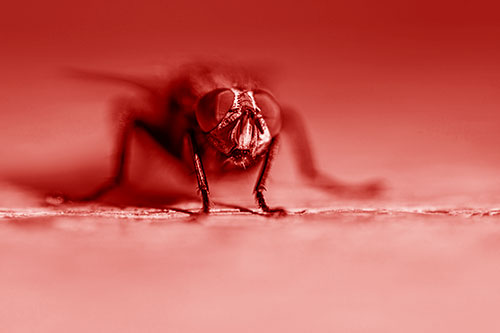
(270, 111)
(212, 108)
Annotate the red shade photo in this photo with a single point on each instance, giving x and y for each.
(265, 166)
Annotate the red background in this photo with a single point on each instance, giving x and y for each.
(406, 91)
(399, 90)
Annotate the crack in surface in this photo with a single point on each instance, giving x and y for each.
(173, 213)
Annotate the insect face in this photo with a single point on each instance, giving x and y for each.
(238, 123)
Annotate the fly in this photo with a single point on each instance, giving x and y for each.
(217, 116)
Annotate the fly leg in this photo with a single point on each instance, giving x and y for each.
(119, 160)
(260, 186)
(129, 121)
(293, 127)
(200, 174)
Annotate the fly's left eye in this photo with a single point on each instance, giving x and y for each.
(270, 111)
(212, 108)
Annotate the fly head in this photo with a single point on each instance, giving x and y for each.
(239, 123)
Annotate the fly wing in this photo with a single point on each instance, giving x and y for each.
(153, 85)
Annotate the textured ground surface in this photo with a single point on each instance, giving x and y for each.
(99, 268)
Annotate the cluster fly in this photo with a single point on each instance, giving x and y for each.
(218, 117)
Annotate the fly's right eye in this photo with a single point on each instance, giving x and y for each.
(271, 111)
(212, 108)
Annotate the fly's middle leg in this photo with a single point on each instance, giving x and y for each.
(119, 162)
(129, 121)
(294, 129)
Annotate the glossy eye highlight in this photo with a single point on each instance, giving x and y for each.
(212, 108)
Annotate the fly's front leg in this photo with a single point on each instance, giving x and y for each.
(260, 186)
(200, 173)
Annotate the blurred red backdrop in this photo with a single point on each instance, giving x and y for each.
(404, 90)
(407, 91)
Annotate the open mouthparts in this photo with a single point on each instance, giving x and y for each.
(240, 153)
